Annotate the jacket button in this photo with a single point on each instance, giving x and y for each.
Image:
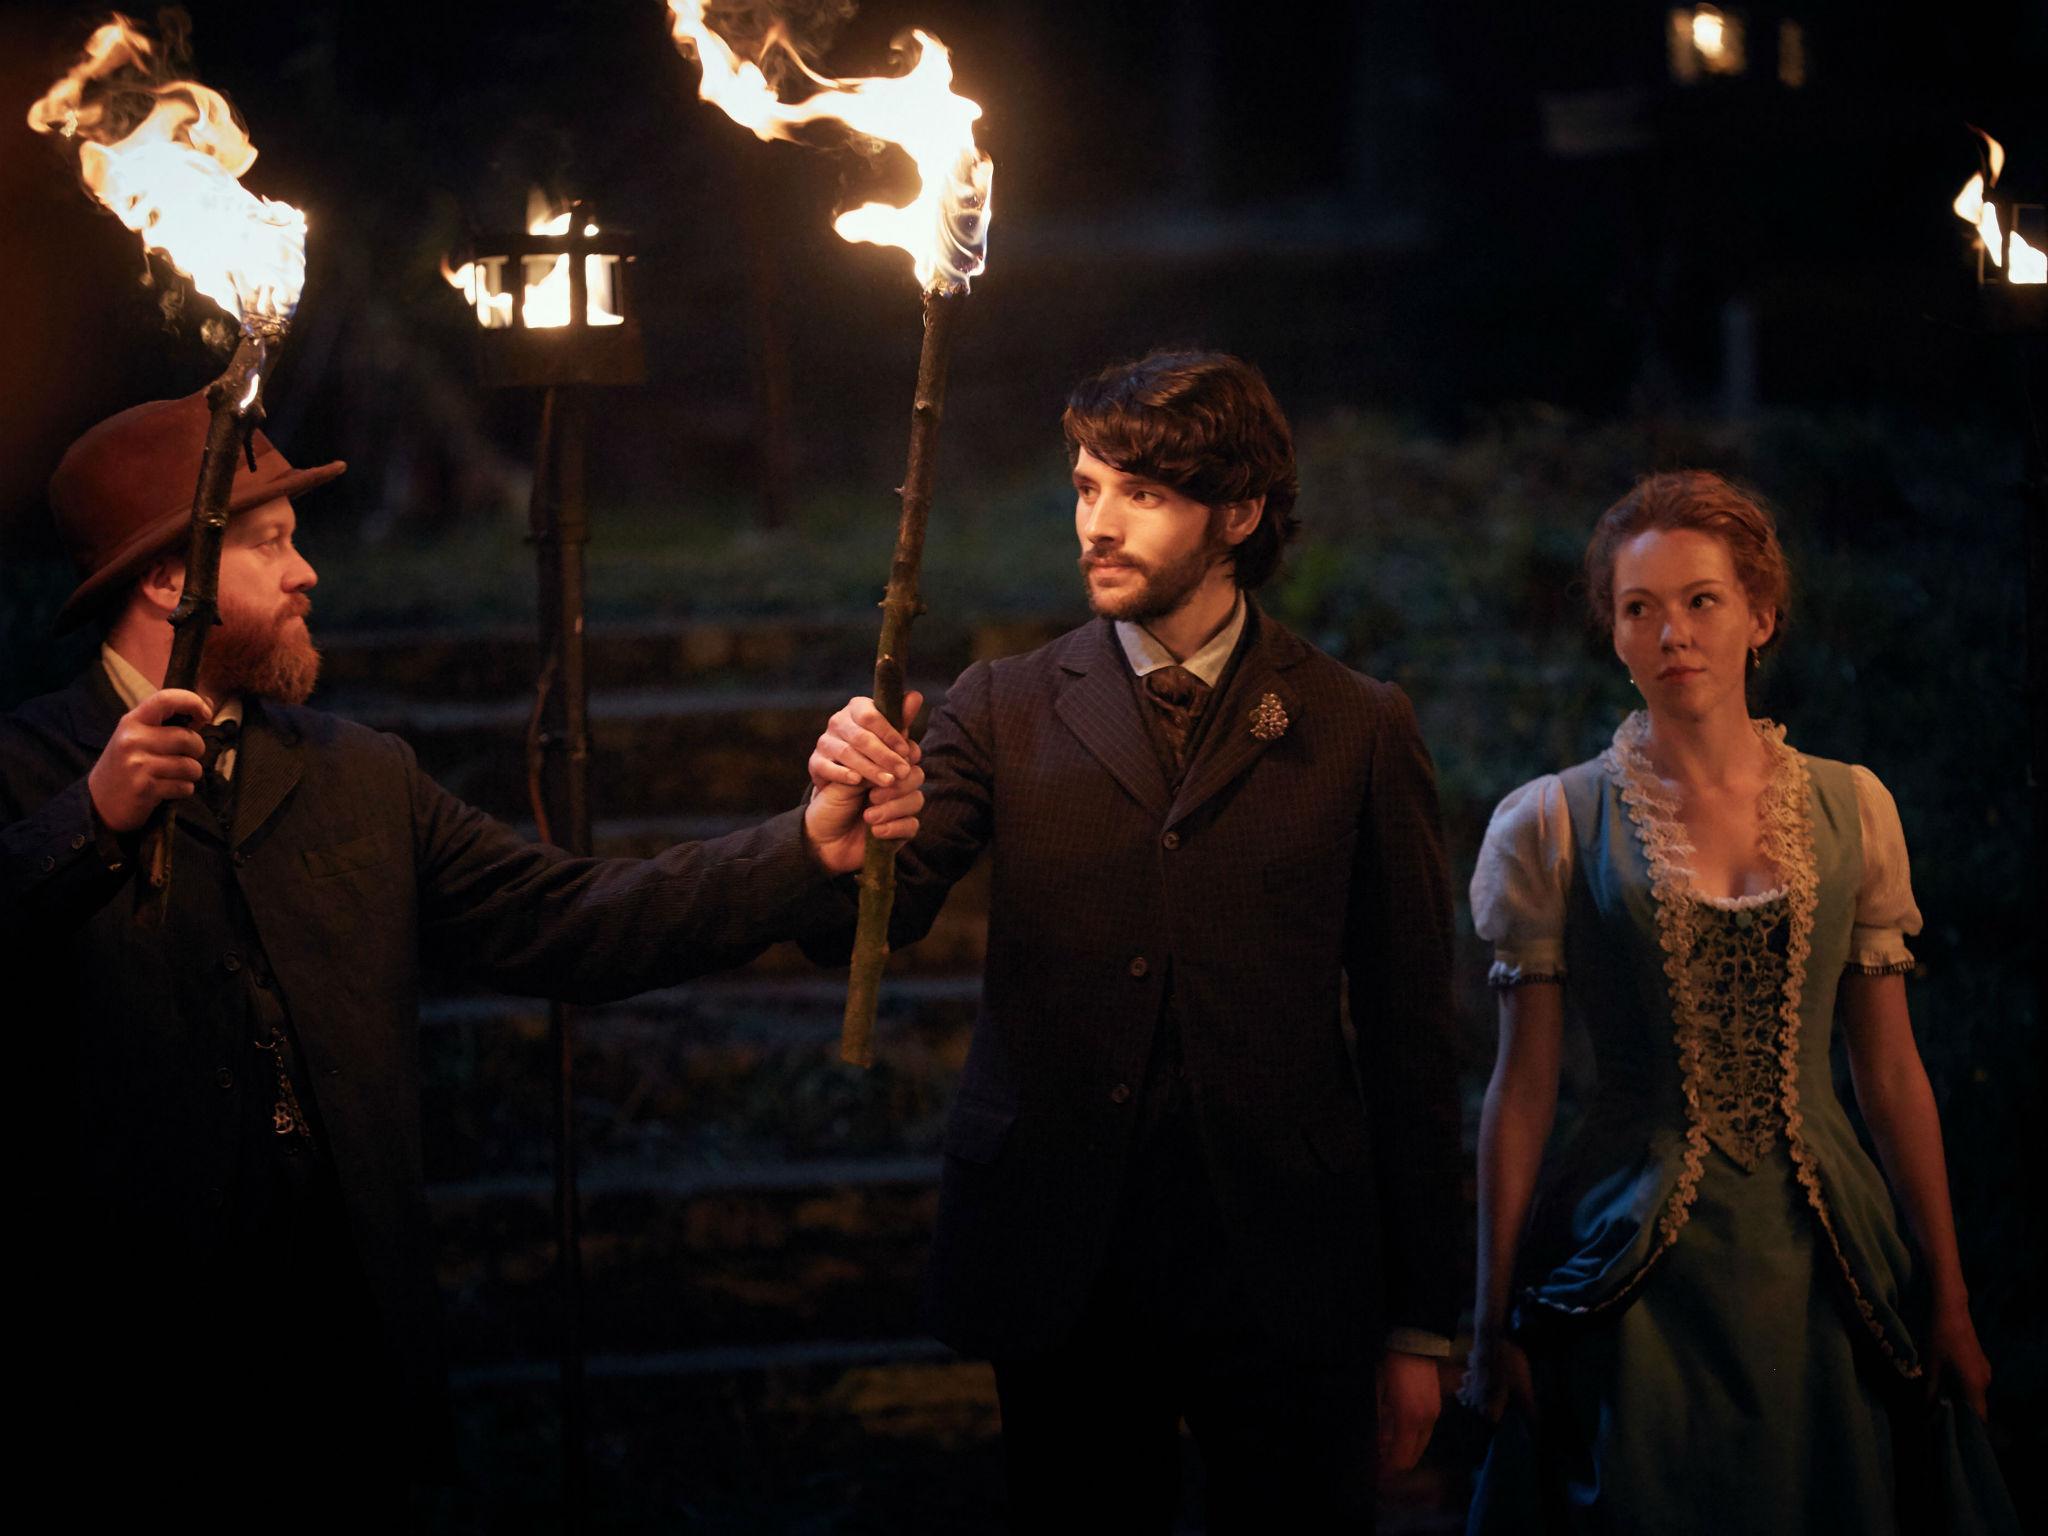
(1139, 967)
(225, 1078)
(49, 862)
(78, 839)
(1172, 840)
(231, 962)
(240, 858)
(1120, 1094)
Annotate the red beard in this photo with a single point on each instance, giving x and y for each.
(264, 657)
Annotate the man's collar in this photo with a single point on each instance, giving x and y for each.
(1146, 654)
(133, 687)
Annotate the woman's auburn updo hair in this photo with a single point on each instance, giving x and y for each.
(1694, 498)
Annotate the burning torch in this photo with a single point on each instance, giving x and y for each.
(945, 230)
(174, 177)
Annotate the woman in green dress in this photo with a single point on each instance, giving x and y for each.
(1709, 1319)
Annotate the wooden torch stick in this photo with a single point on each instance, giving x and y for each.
(900, 607)
(235, 401)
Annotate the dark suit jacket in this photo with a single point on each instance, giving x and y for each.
(1279, 870)
(357, 869)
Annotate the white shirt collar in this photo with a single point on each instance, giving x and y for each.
(133, 687)
(1146, 654)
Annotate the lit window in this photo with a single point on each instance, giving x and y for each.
(1706, 40)
(1791, 55)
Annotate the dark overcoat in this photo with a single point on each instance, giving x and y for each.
(358, 871)
(1293, 858)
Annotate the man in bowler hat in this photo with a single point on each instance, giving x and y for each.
(236, 1246)
(1173, 1187)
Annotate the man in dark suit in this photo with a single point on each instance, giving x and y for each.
(236, 1233)
(1172, 1188)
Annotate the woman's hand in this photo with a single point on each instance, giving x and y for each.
(1497, 1373)
(1954, 1359)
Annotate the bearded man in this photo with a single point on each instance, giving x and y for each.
(236, 1246)
(1172, 1187)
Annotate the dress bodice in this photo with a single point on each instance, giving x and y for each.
(1710, 1024)
(1738, 975)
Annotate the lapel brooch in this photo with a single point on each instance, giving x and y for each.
(1269, 719)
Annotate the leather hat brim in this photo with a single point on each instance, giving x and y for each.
(164, 533)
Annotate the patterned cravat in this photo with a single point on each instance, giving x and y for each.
(1177, 697)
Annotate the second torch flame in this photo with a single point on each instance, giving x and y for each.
(945, 226)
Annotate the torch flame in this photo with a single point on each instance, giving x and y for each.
(548, 295)
(945, 226)
(1973, 206)
(175, 179)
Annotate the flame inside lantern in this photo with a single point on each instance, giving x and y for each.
(546, 279)
(1974, 207)
(945, 226)
(175, 178)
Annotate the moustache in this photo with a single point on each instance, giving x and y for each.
(1111, 563)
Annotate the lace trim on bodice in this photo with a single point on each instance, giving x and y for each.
(1736, 1017)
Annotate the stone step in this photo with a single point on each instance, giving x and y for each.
(725, 1078)
(867, 1435)
(690, 1258)
(832, 651)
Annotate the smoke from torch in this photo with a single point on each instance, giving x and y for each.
(945, 230)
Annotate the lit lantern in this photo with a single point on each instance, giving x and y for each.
(2005, 251)
(553, 301)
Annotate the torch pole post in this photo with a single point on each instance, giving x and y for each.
(901, 604)
(234, 398)
(560, 527)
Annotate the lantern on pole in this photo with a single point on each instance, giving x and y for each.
(553, 309)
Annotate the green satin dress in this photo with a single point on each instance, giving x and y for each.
(1714, 1290)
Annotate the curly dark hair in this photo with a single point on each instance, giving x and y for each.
(1204, 424)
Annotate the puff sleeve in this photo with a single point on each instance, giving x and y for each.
(1519, 886)
(1885, 911)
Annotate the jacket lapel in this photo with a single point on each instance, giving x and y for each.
(266, 768)
(1228, 747)
(95, 708)
(1098, 706)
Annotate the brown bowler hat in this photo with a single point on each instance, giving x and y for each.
(123, 493)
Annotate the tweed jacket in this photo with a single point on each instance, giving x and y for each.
(358, 871)
(1292, 858)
